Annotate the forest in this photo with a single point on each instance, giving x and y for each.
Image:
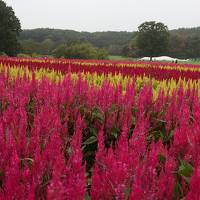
(183, 42)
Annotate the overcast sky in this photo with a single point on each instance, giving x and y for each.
(104, 15)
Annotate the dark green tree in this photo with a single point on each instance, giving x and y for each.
(30, 47)
(101, 54)
(60, 51)
(80, 51)
(152, 39)
(10, 29)
(85, 51)
(193, 47)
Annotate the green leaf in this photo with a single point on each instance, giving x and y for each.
(93, 131)
(185, 169)
(115, 134)
(83, 147)
(171, 134)
(115, 131)
(127, 192)
(113, 107)
(87, 197)
(99, 116)
(178, 191)
(90, 140)
(187, 179)
(161, 158)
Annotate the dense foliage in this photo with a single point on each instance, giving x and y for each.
(41, 41)
(44, 41)
(152, 39)
(9, 30)
(79, 51)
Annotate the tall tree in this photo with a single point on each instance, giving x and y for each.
(152, 39)
(9, 30)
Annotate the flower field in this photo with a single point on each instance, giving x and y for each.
(76, 129)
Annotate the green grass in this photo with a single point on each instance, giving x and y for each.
(112, 57)
(197, 61)
(119, 58)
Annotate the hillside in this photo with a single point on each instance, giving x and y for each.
(111, 41)
(45, 40)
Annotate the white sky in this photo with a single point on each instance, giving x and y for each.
(104, 15)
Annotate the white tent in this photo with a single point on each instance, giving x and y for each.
(145, 58)
(163, 58)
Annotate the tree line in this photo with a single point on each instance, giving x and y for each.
(45, 41)
(182, 43)
(179, 43)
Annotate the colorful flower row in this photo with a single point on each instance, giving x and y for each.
(71, 140)
(158, 71)
(98, 80)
